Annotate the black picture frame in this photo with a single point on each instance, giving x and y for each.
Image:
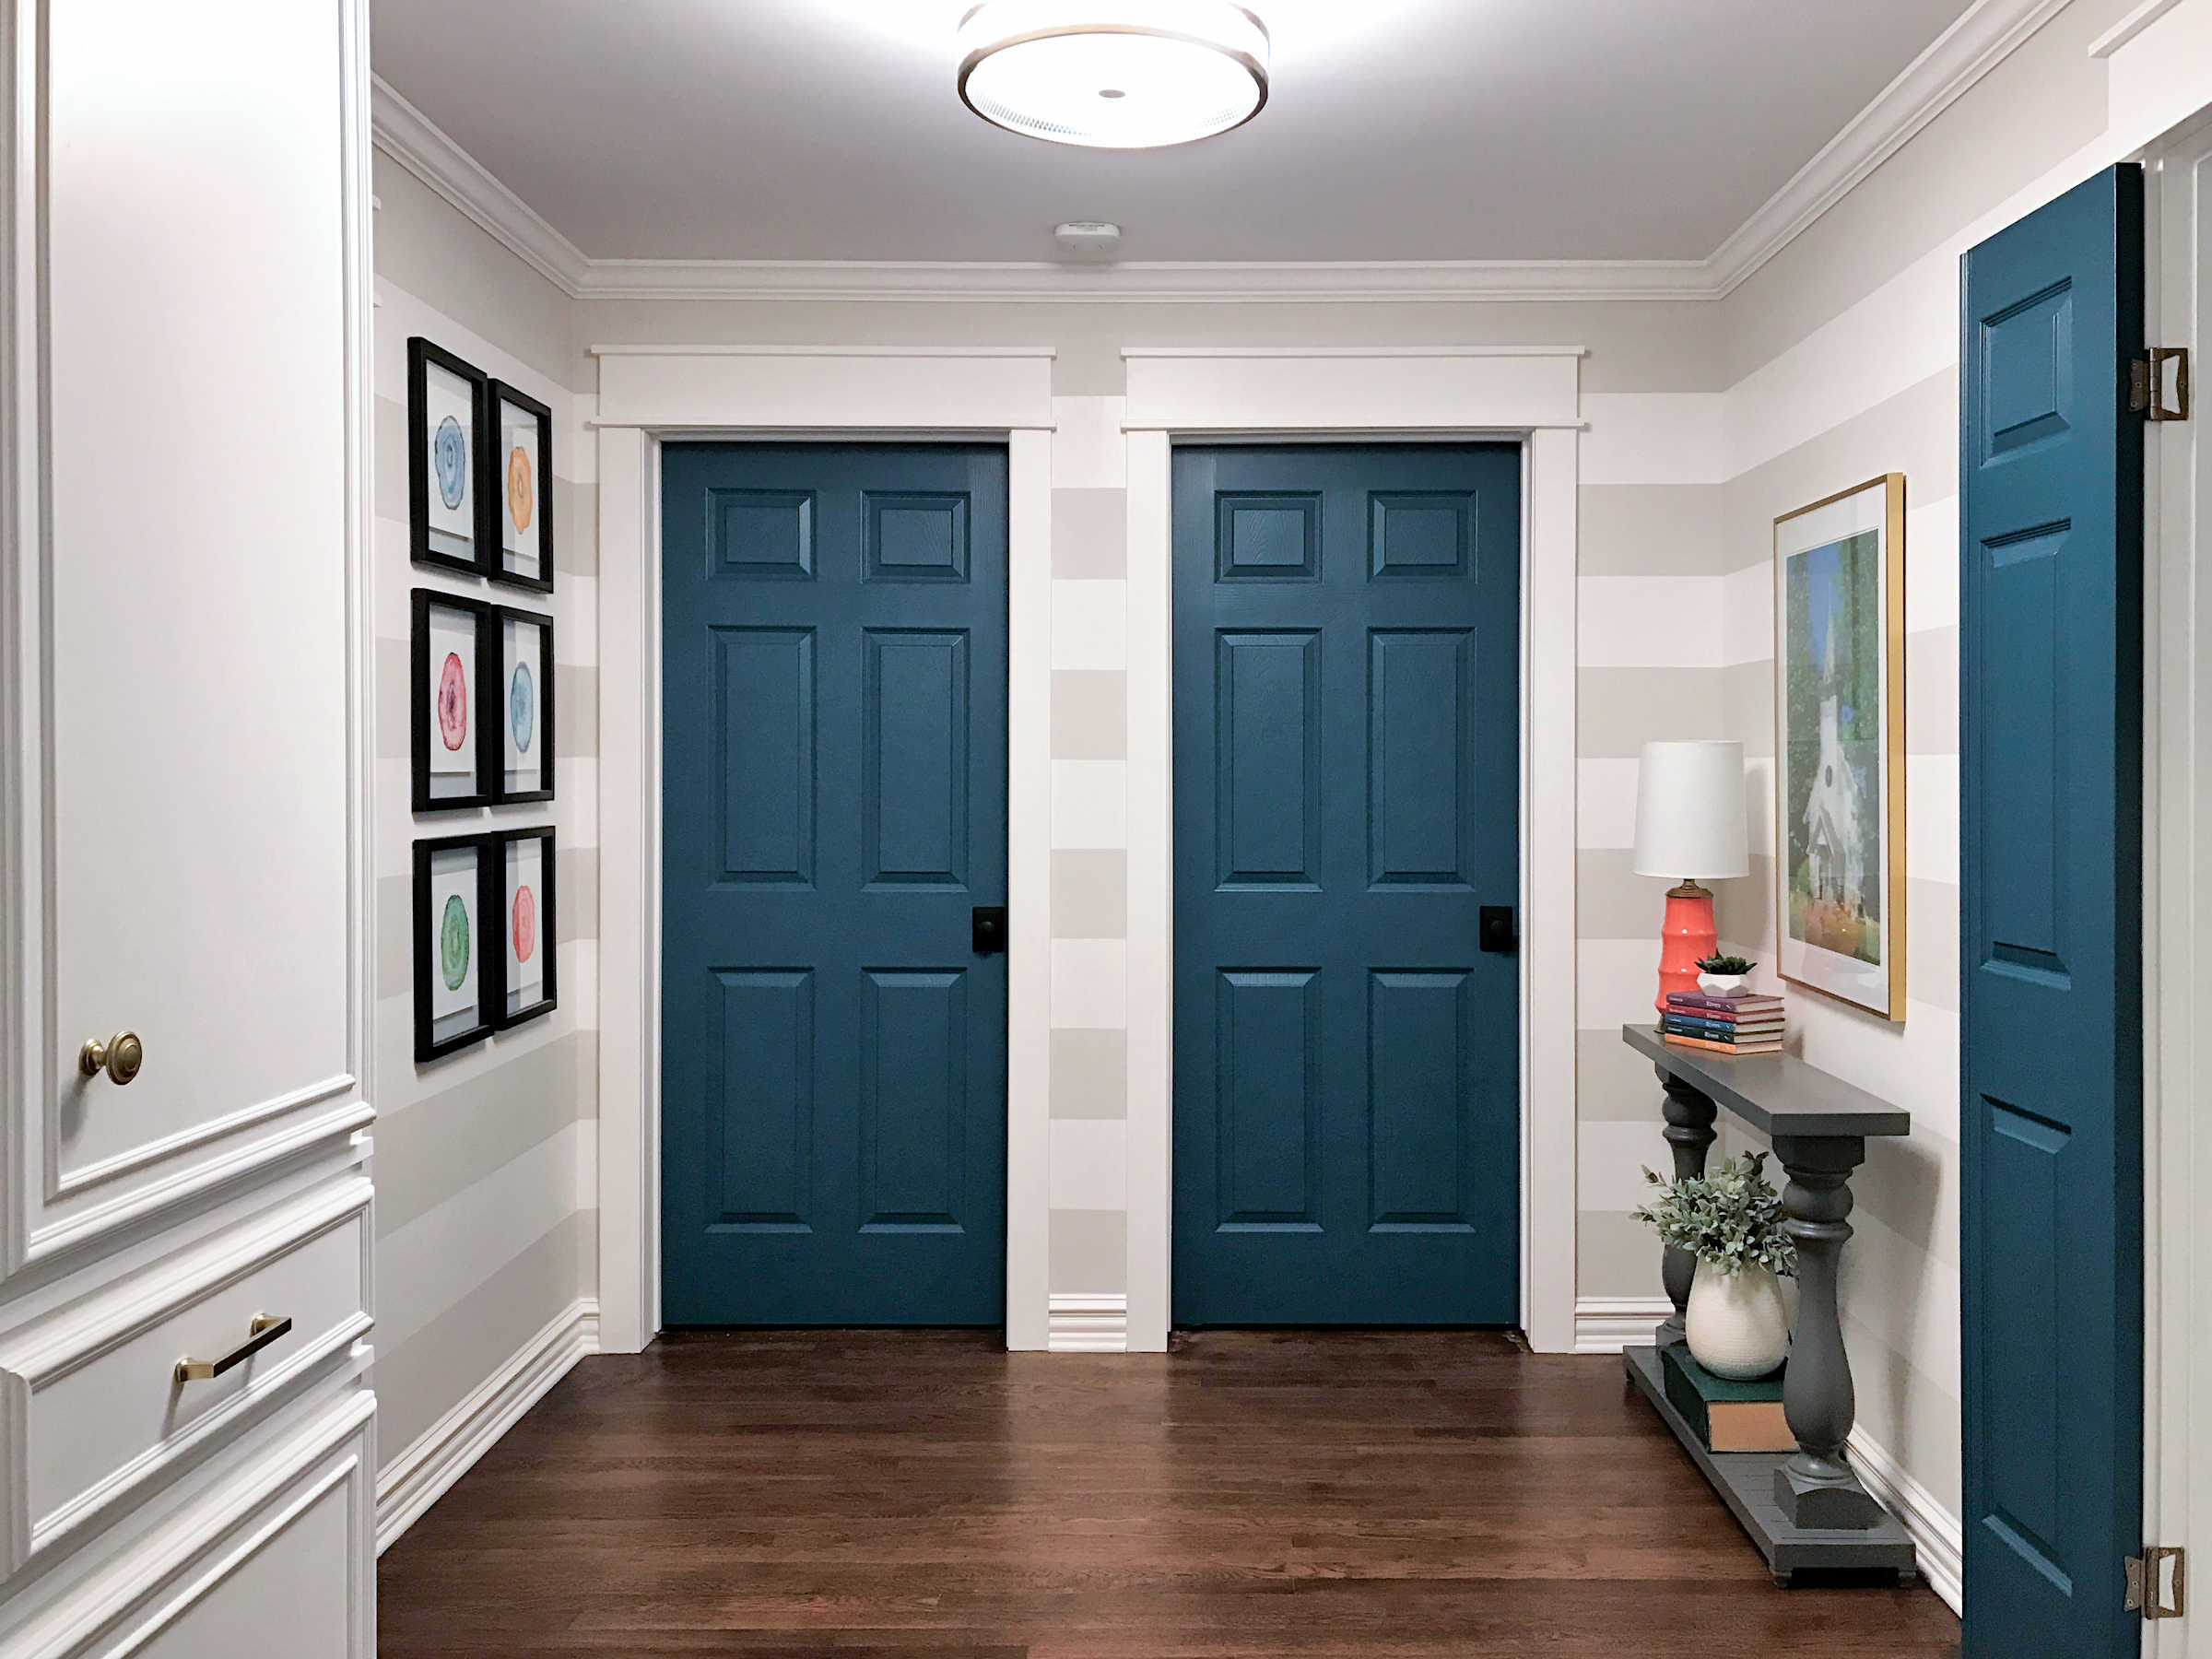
(544, 921)
(494, 465)
(478, 675)
(424, 540)
(431, 1041)
(498, 695)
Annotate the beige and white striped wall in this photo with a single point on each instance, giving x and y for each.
(486, 1161)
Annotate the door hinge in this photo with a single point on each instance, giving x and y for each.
(2151, 1590)
(2147, 380)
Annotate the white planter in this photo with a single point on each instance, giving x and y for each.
(1738, 1325)
(1725, 984)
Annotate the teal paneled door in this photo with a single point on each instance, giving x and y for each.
(833, 1097)
(1346, 803)
(2050, 836)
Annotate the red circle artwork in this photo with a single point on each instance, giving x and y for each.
(526, 923)
(453, 703)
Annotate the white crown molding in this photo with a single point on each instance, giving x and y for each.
(2129, 27)
(1982, 38)
(417, 144)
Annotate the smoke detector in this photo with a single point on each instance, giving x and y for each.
(1088, 239)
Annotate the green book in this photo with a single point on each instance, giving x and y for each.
(1727, 1415)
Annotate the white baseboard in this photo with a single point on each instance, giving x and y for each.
(417, 1478)
(1605, 1324)
(1086, 1325)
(1937, 1534)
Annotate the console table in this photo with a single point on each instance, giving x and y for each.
(1805, 1510)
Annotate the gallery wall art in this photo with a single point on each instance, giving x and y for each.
(446, 405)
(523, 859)
(454, 892)
(521, 701)
(1839, 745)
(520, 462)
(452, 647)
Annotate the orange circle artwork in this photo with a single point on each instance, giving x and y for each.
(518, 488)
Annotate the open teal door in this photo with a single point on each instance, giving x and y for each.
(2050, 838)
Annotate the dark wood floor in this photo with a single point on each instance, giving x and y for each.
(922, 1495)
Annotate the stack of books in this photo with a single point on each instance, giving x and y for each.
(1724, 1025)
(1728, 1416)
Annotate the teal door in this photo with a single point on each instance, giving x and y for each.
(2050, 832)
(1347, 804)
(833, 1096)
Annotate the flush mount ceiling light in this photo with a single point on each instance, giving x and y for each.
(1114, 74)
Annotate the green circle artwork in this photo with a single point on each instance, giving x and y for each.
(453, 943)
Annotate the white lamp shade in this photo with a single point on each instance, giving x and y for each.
(1689, 811)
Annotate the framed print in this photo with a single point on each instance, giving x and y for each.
(446, 416)
(523, 862)
(520, 700)
(449, 647)
(454, 892)
(519, 469)
(1839, 745)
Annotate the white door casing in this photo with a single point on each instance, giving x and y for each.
(1523, 394)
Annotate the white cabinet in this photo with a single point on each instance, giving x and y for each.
(183, 826)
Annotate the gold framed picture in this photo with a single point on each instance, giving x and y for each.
(1839, 745)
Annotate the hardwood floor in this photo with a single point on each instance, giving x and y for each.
(923, 1495)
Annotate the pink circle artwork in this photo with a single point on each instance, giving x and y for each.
(526, 923)
(453, 703)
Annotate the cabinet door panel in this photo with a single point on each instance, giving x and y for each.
(192, 773)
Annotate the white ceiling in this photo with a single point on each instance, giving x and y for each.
(1397, 130)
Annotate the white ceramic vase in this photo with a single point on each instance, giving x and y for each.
(1738, 1323)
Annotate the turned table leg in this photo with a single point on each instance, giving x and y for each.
(1690, 1131)
(1816, 1488)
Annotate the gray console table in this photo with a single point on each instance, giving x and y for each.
(1805, 1510)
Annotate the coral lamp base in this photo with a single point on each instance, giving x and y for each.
(1686, 935)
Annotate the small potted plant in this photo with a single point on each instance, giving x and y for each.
(1725, 975)
(1731, 1220)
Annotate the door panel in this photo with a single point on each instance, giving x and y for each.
(2049, 715)
(1346, 797)
(833, 1091)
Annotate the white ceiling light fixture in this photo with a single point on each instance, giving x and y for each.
(1115, 73)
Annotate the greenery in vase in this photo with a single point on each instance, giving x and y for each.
(1726, 964)
(1730, 1218)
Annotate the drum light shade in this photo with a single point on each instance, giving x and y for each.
(1114, 74)
(1689, 811)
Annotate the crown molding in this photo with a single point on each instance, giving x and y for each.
(1982, 38)
(419, 145)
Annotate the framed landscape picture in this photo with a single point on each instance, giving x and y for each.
(520, 700)
(447, 401)
(519, 467)
(454, 892)
(523, 862)
(450, 647)
(1839, 745)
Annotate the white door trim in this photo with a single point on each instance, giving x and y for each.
(1523, 394)
(647, 393)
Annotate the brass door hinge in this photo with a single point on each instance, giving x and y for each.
(2151, 1590)
(2147, 380)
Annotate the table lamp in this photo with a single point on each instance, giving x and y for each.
(1689, 827)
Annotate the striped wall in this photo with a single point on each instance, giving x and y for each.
(485, 1163)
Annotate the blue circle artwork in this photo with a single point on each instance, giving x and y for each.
(452, 455)
(521, 706)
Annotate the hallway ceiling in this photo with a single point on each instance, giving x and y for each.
(1397, 130)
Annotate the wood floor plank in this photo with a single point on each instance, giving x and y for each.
(1253, 1495)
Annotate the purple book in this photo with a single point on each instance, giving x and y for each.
(1722, 1005)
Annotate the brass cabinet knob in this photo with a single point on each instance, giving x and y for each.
(119, 1056)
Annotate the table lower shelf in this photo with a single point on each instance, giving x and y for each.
(1746, 1481)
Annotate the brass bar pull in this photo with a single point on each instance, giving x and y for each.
(264, 1330)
